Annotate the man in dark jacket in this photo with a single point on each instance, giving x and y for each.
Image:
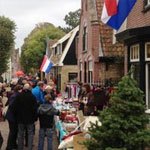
(25, 109)
(13, 126)
(46, 117)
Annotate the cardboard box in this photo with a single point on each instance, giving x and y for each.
(78, 140)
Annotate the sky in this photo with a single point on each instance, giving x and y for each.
(27, 13)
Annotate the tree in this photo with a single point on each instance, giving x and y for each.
(7, 30)
(34, 46)
(124, 122)
(72, 19)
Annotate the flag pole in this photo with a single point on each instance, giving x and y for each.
(41, 76)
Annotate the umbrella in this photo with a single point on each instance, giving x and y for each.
(19, 73)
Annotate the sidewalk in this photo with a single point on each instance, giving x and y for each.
(4, 129)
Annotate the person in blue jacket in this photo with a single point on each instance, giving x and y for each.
(38, 93)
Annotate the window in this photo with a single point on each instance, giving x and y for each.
(148, 85)
(84, 40)
(134, 53)
(80, 71)
(90, 72)
(85, 72)
(72, 77)
(101, 54)
(147, 51)
(136, 74)
(55, 50)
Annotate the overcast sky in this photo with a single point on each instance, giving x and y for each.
(27, 13)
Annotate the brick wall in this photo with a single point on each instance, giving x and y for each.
(137, 17)
(95, 41)
(99, 36)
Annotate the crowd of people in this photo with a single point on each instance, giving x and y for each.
(93, 98)
(27, 101)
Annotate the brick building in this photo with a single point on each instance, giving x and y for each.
(136, 38)
(99, 56)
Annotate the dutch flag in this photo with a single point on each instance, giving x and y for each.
(115, 12)
(46, 65)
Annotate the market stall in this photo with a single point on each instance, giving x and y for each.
(71, 125)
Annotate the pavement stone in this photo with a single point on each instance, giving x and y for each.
(5, 130)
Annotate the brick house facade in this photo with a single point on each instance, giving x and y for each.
(97, 54)
(136, 38)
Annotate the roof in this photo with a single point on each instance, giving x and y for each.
(70, 36)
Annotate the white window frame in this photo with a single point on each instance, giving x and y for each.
(146, 58)
(147, 86)
(133, 47)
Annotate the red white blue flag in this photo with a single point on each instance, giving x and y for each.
(46, 65)
(116, 11)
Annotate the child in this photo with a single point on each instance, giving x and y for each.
(46, 114)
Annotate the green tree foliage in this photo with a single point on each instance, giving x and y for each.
(34, 46)
(7, 30)
(72, 19)
(123, 122)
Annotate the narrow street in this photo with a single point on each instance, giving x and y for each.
(4, 129)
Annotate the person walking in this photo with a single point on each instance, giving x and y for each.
(25, 109)
(13, 126)
(46, 114)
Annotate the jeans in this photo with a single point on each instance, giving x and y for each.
(12, 137)
(42, 133)
(21, 132)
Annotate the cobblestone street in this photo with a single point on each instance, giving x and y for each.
(4, 129)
